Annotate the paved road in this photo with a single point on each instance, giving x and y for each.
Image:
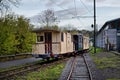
(18, 62)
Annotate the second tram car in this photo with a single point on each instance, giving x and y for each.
(80, 42)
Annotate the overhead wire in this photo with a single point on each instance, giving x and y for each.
(90, 11)
(58, 5)
(69, 12)
(76, 13)
(75, 9)
(62, 7)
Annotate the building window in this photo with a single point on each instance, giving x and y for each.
(62, 37)
(39, 38)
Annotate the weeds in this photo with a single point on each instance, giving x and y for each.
(49, 73)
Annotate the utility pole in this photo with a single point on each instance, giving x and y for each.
(94, 26)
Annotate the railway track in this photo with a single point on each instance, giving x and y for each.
(32, 67)
(79, 69)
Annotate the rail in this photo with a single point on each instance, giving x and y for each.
(89, 71)
(72, 67)
(9, 73)
(87, 68)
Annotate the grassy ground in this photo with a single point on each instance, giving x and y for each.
(48, 73)
(108, 63)
(113, 79)
(106, 60)
(98, 50)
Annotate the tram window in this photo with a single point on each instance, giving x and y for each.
(39, 38)
(62, 37)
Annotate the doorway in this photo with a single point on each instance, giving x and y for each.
(48, 42)
(118, 43)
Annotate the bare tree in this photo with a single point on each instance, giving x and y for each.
(5, 5)
(47, 18)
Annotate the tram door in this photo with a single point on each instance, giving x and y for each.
(48, 42)
(75, 42)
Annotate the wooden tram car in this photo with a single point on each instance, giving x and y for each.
(53, 43)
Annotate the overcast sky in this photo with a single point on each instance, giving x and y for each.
(65, 10)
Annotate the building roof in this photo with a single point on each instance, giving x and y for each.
(107, 23)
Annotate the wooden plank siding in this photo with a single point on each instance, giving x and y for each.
(58, 46)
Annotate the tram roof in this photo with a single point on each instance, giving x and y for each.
(42, 30)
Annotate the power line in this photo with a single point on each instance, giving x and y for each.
(85, 6)
(76, 13)
(61, 7)
(75, 7)
(77, 17)
(84, 16)
(57, 5)
(66, 10)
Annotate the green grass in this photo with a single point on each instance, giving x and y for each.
(49, 73)
(98, 50)
(108, 61)
(80, 49)
(105, 62)
(113, 79)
